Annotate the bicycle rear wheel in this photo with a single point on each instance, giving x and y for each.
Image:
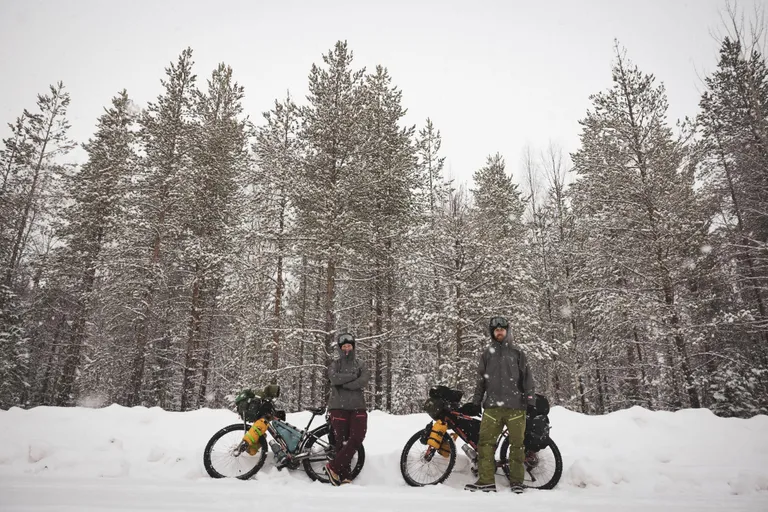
(321, 452)
(543, 468)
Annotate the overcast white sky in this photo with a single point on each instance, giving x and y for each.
(492, 75)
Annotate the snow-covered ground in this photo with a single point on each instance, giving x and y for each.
(117, 458)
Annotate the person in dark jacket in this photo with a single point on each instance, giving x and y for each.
(504, 379)
(346, 406)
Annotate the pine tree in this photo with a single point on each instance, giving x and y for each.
(734, 156)
(90, 224)
(553, 247)
(278, 155)
(497, 220)
(31, 191)
(636, 197)
(387, 207)
(424, 346)
(328, 182)
(219, 160)
(166, 130)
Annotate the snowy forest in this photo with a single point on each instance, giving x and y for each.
(202, 249)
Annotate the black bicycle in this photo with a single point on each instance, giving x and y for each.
(430, 454)
(229, 455)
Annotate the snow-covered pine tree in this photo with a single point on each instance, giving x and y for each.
(734, 158)
(461, 256)
(278, 153)
(553, 247)
(329, 181)
(152, 281)
(504, 279)
(209, 213)
(30, 195)
(426, 329)
(637, 200)
(386, 202)
(91, 224)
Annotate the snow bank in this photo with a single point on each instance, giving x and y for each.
(636, 451)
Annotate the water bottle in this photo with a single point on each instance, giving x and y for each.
(278, 451)
(471, 453)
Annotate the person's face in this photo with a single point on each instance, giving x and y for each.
(346, 348)
(499, 333)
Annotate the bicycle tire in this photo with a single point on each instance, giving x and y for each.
(252, 465)
(407, 470)
(325, 455)
(553, 479)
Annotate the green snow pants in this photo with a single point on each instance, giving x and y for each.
(494, 419)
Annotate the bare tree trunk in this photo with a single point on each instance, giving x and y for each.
(276, 334)
(631, 378)
(600, 392)
(49, 384)
(378, 329)
(142, 331)
(440, 356)
(582, 391)
(191, 355)
(690, 384)
(303, 326)
(556, 384)
(318, 300)
(458, 336)
(390, 327)
(66, 391)
(330, 314)
(206, 364)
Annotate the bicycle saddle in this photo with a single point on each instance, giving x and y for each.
(317, 411)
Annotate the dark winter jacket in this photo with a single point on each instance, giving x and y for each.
(503, 376)
(348, 377)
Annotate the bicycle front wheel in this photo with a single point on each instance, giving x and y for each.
(321, 452)
(222, 458)
(421, 465)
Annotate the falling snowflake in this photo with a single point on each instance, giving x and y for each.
(486, 376)
(133, 108)
(706, 249)
(492, 350)
(500, 403)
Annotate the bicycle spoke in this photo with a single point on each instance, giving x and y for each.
(541, 468)
(227, 464)
(423, 471)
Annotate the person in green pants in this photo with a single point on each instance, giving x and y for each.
(504, 379)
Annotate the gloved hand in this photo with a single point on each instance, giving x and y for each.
(531, 408)
(470, 409)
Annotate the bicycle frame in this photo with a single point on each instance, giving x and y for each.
(294, 457)
(452, 425)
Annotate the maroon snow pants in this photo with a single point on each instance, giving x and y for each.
(349, 428)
